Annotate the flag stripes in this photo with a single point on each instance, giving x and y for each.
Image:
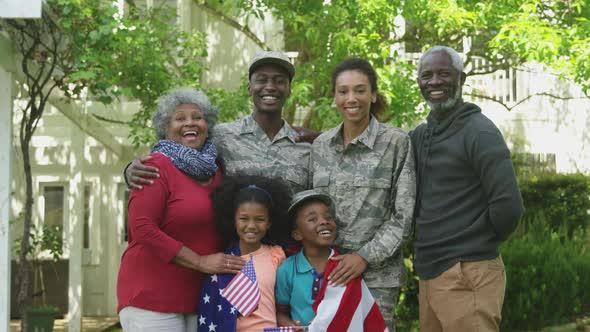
(243, 292)
(349, 308)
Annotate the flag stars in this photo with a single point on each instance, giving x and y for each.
(219, 307)
(214, 278)
(232, 310)
(206, 298)
(212, 327)
(202, 320)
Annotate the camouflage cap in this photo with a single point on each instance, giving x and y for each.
(272, 57)
(306, 195)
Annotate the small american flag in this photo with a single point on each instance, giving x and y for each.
(279, 329)
(243, 292)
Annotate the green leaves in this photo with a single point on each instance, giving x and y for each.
(562, 201)
(325, 33)
(139, 55)
(143, 55)
(43, 239)
(82, 75)
(548, 279)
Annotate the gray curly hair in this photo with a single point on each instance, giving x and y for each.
(186, 95)
(456, 60)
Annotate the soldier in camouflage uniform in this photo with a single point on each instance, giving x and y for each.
(368, 169)
(262, 143)
(245, 148)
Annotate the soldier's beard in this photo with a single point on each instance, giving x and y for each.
(447, 105)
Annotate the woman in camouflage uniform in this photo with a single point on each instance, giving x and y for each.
(368, 169)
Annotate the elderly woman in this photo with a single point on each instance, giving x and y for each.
(172, 235)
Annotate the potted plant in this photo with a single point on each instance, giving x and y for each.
(45, 242)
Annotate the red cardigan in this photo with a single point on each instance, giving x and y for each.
(164, 216)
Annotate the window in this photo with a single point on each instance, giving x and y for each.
(87, 216)
(53, 214)
(125, 211)
(123, 194)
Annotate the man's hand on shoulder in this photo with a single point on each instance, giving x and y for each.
(137, 174)
(306, 135)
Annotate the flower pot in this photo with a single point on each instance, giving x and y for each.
(40, 319)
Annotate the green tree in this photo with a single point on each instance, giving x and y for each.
(86, 46)
(508, 34)
(323, 34)
(505, 33)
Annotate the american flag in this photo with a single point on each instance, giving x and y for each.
(215, 313)
(279, 329)
(350, 308)
(243, 292)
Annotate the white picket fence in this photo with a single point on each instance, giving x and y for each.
(512, 85)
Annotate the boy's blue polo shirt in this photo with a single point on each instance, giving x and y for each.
(295, 280)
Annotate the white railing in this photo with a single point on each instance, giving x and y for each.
(512, 85)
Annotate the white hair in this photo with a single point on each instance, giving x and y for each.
(456, 60)
(171, 100)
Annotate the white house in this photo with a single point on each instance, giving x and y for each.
(548, 125)
(78, 163)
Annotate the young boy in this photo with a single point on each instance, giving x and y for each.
(299, 277)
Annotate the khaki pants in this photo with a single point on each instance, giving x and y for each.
(466, 297)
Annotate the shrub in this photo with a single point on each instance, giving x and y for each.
(548, 279)
(547, 262)
(562, 200)
(406, 311)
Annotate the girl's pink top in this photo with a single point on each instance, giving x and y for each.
(266, 261)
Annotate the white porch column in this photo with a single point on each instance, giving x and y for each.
(75, 234)
(5, 185)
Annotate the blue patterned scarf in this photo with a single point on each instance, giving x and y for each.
(198, 164)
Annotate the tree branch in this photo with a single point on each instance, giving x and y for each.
(102, 118)
(475, 95)
(233, 23)
(24, 30)
(510, 108)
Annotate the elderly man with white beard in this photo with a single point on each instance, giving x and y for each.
(467, 203)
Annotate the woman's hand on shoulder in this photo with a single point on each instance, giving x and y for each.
(221, 263)
(349, 267)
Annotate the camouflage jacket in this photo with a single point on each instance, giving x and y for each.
(373, 184)
(245, 148)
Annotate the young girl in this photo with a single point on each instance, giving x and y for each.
(250, 213)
